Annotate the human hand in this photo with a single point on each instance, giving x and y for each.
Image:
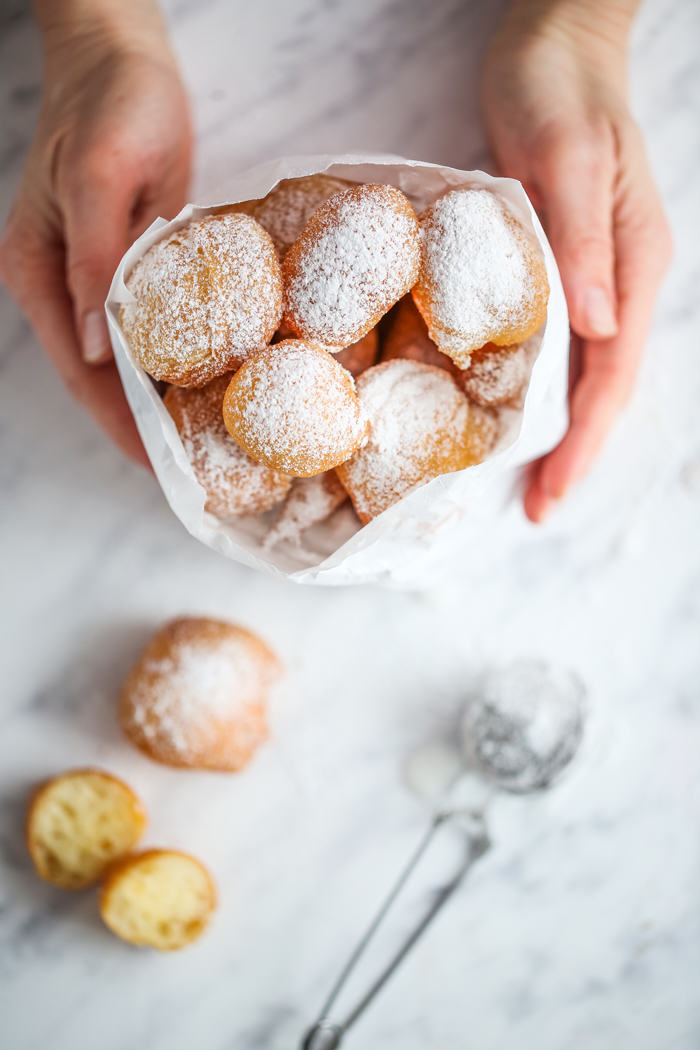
(554, 98)
(111, 152)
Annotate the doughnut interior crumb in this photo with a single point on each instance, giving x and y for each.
(79, 823)
(160, 898)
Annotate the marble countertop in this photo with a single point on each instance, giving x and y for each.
(581, 928)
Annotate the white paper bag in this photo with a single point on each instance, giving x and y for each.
(453, 512)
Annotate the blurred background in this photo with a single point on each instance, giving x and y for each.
(581, 927)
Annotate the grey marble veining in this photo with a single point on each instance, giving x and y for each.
(581, 929)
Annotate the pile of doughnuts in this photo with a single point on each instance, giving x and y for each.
(326, 341)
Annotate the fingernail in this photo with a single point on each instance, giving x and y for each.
(96, 345)
(599, 313)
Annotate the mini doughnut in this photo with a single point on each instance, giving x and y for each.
(356, 256)
(482, 278)
(360, 356)
(159, 898)
(498, 375)
(204, 298)
(295, 409)
(197, 696)
(310, 501)
(407, 337)
(234, 483)
(79, 823)
(288, 207)
(420, 427)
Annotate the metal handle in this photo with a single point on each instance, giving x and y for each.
(326, 1035)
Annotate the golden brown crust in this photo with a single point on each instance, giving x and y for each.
(482, 277)
(47, 856)
(406, 336)
(197, 696)
(151, 933)
(360, 356)
(295, 409)
(205, 297)
(287, 208)
(497, 375)
(356, 256)
(234, 483)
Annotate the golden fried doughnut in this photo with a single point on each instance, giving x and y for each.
(197, 695)
(309, 501)
(483, 278)
(294, 408)
(234, 483)
(407, 337)
(288, 207)
(160, 898)
(205, 297)
(356, 256)
(79, 823)
(420, 427)
(498, 375)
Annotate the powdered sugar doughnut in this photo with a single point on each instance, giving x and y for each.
(234, 483)
(420, 427)
(309, 501)
(287, 208)
(356, 256)
(482, 279)
(204, 298)
(498, 375)
(294, 408)
(197, 695)
(407, 337)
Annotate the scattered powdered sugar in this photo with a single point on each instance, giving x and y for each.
(287, 208)
(205, 297)
(477, 274)
(359, 253)
(234, 483)
(418, 429)
(293, 406)
(498, 375)
(309, 501)
(182, 699)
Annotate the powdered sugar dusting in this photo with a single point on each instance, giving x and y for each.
(357, 256)
(481, 274)
(234, 483)
(310, 501)
(294, 407)
(287, 208)
(205, 297)
(179, 702)
(419, 424)
(498, 375)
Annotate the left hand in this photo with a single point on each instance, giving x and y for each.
(558, 120)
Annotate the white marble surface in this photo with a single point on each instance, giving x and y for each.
(581, 929)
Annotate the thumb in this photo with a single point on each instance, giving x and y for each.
(576, 186)
(96, 223)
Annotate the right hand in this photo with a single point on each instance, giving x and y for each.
(111, 152)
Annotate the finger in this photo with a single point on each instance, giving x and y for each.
(610, 366)
(574, 180)
(34, 271)
(96, 207)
